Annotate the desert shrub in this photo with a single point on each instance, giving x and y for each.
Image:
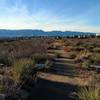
(22, 48)
(6, 58)
(90, 93)
(5, 84)
(97, 49)
(40, 58)
(1, 88)
(95, 59)
(90, 48)
(86, 64)
(21, 67)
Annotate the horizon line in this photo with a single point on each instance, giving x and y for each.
(51, 30)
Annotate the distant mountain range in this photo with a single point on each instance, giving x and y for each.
(21, 33)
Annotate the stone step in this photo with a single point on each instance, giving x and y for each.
(63, 70)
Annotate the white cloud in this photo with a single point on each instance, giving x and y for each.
(76, 26)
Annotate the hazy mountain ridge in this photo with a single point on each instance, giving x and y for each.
(19, 33)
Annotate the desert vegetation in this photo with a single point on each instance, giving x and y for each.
(21, 48)
(90, 92)
(17, 60)
(72, 58)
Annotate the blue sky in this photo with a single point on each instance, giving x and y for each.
(65, 15)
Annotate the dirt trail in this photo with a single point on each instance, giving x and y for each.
(64, 72)
(59, 83)
(49, 90)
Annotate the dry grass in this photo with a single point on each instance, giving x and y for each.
(21, 49)
(20, 67)
(91, 92)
